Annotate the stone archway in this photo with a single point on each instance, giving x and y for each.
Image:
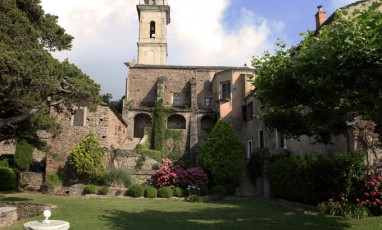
(176, 121)
(207, 123)
(141, 121)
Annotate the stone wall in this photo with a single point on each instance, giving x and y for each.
(8, 216)
(108, 127)
(33, 180)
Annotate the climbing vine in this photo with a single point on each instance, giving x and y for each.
(159, 126)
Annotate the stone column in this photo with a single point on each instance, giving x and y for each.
(194, 121)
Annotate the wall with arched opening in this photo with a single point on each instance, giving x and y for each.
(176, 121)
(141, 121)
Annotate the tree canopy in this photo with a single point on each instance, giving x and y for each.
(31, 79)
(333, 76)
(222, 154)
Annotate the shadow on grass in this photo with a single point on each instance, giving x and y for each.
(238, 215)
(14, 199)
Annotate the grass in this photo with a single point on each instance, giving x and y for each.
(121, 213)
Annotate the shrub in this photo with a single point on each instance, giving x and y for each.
(164, 176)
(4, 163)
(87, 158)
(7, 179)
(372, 194)
(165, 192)
(117, 177)
(231, 189)
(317, 177)
(90, 189)
(140, 162)
(222, 154)
(52, 180)
(136, 190)
(193, 190)
(205, 191)
(175, 176)
(259, 161)
(343, 208)
(219, 190)
(194, 198)
(178, 192)
(104, 190)
(151, 192)
(23, 155)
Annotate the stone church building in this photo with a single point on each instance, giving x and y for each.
(197, 95)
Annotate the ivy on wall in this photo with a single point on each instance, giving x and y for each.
(164, 142)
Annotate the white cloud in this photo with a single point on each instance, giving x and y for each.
(106, 32)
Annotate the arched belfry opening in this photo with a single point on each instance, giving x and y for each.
(176, 121)
(152, 29)
(141, 121)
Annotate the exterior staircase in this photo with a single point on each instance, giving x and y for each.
(246, 188)
(130, 144)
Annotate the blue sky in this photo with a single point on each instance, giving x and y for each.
(201, 32)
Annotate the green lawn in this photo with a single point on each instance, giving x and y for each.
(123, 213)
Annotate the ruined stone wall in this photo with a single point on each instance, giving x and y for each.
(103, 122)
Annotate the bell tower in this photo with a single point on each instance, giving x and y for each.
(154, 16)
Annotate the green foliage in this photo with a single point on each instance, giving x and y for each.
(343, 208)
(136, 190)
(7, 179)
(317, 177)
(174, 153)
(4, 163)
(52, 180)
(90, 189)
(178, 192)
(159, 126)
(194, 198)
(222, 154)
(259, 161)
(165, 192)
(231, 189)
(140, 162)
(151, 192)
(328, 80)
(218, 190)
(117, 177)
(23, 155)
(153, 154)
(31, 79)
(87, 158)
(104, 190)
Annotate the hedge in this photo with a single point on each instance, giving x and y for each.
(316, 177)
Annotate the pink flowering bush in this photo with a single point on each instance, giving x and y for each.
(372, 194)
(175, 176)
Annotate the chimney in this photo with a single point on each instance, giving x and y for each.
(320, 17)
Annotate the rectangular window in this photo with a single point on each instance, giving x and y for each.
(280, 140)
(208, 102)
(249, 149)
(250, 111)
(79, 117)
(176, 100)
(226, 90)
(261, 139)
(244, 112)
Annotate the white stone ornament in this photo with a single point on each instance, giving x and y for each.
(46, 214)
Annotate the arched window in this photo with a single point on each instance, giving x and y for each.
(152, 29)
(176, 121)
(141, 121)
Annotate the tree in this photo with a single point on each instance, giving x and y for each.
(23, 158)
(87, 158)
(333, 76)
(32, 81)
(222, 154)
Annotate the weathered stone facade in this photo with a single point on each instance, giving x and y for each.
(109, 128)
